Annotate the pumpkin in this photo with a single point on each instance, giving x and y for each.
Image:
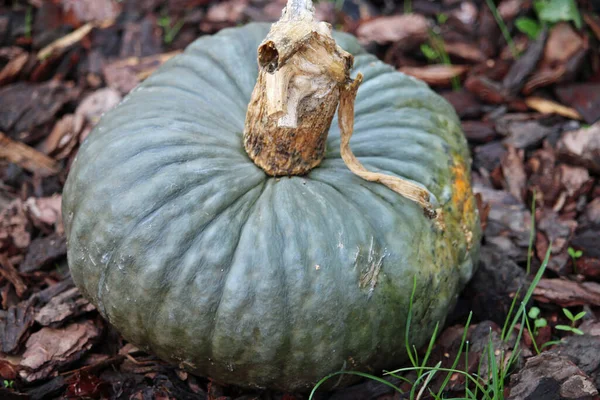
(197, 255)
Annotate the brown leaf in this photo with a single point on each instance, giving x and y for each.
(564, 51)
(486, 89)
(520, 70)
(567, 293)
(514, 172)
(581, 147)
(66, 305)
(407, 27)
(50, 349)
(46, 211)
(466, 51)
(63, 137)
(124, 75)
(44, 252)
(436, 75)
(546, 106)
(27, 157)
(9, 272)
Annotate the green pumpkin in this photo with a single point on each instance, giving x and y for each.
(196, 255)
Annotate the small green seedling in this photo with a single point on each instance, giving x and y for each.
(549, 12)
(538, 321)
(573, 319)
(8, 383)
(575, 254)
(170, 31)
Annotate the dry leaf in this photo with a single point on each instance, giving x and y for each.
(408, 27)
(546, 106)
(436, 75)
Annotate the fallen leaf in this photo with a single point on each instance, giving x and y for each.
(124, 75)
(564, 52)
(411, 28)
(436, 75)
(50, 349)
(546, 106)
(465, 50)
(27, 157)
(567, 293)
(64, 136)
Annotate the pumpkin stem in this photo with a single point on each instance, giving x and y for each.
(301, 69)
(401, 186)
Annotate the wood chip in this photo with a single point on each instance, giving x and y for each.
(10, 273)
(567, 293)
(546, 106)
(14, 228)
(50, 349)
(13, 68)
(436, 75)
(14, 326)
(27, 157)
(66, 305)
(514, 172)
(46, 211)
(44, 252)
(581, 147)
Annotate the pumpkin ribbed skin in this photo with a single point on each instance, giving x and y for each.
(195, 254)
